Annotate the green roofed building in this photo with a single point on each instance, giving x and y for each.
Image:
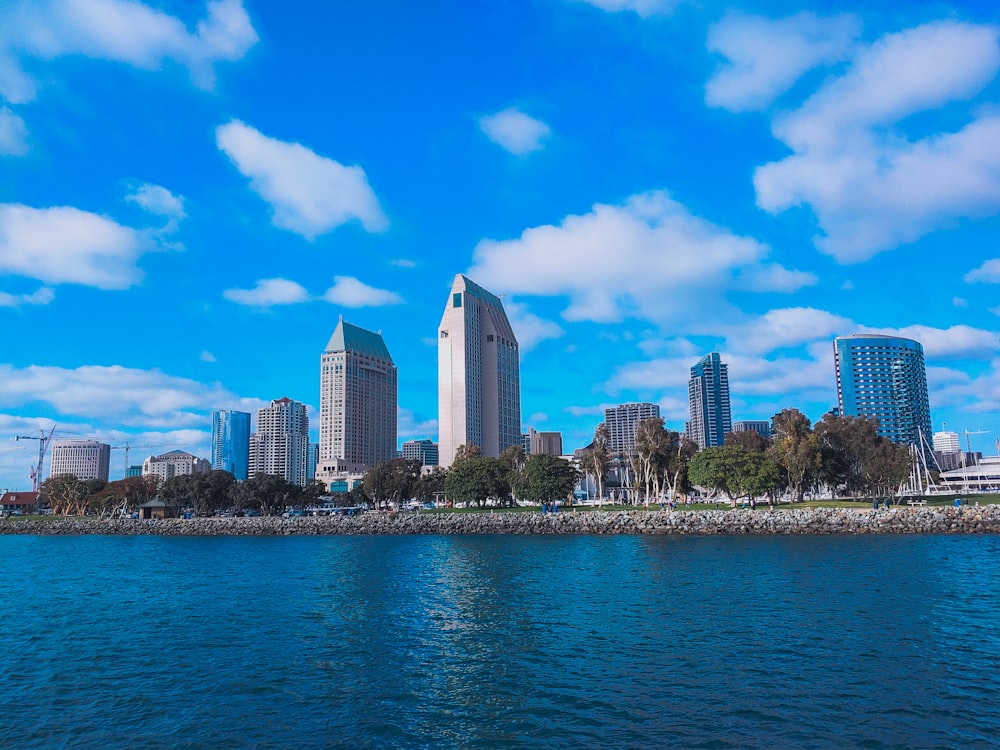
(358, 392)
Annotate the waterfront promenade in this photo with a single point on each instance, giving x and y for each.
(896, 520)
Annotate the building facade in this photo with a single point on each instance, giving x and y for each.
(708, 402)
(535, 443)
(479, 381)
(884, 377)
(425, 451)
(761, 426)
(84, 459)
(358, 392)
(946, 442)
(174, 464)
(281, 444)
(622, 421)
(231, 442)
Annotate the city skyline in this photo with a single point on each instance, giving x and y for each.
(191, 199)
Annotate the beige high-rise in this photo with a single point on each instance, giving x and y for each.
(479, 381)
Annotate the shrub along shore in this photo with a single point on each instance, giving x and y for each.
(896, 520)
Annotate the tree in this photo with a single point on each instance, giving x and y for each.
(465, 452)
(393, 481)
(548, 478)
(476, 480)
(752, 441)
(265, 492)
(735, 471)
(680, 450)
(430, 485)
(123, 496)
(65, 494)
(598, 458)
(796, 450)
(512, 460)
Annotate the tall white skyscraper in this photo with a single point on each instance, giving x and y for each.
(281, 444)
(479, 381)
(84, 459)
(357, 399)
(622, 422)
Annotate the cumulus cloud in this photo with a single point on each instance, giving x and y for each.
(642, 8)
(207, 356)
(126, 396)
(870, 187)
(955, 342)
(350, 292)
(13, 134)
(529, 328)
(515, 131)
(64, 245)
(988, 272)
(125, 31)
(42, 297)
(409, 426)
(309, 194)
(765, 56)
(649, 258)
(785, 328)
(157, 200)
(268, 292)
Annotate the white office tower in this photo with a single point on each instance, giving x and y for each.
(174, 464)
(479, 382)
(947, 442)
(84, 459)
(357, 398)
(281, 444)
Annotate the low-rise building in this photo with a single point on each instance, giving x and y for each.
(174, 464)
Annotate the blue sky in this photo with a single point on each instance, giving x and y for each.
(192, 193)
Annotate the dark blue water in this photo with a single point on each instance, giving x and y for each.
(492, 642)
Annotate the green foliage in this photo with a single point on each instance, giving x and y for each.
(394, 481)
(597, 460)
(203, 493)
(735, 471)
(796, 450)
(548, 478)
(265, 492)
(476, 480)
(430, 485)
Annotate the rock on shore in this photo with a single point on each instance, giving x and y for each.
(902, 520)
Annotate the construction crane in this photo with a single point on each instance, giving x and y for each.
(43, 445)
(968, 437)
(126, 447)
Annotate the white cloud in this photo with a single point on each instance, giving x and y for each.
(350, 292)
(121, 395)
(788, 327)
(158, 201)
(648, 258)
(514, 131)
(409, 426)
(64, 245)
(403, 263)
(995, 310)
(588, 411)
(988, 272)
(959, 302)
(268, 292)
(310, 194)
(870, 187)
(642, 8)
(538, 418)
(530, 329)
(765, 57)
(13, 134)
(207, 356)
(124, 31)
(42, 297)
(956, 342)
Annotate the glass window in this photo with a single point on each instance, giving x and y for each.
(456, 299)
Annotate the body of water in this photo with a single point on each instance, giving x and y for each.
(499, 641)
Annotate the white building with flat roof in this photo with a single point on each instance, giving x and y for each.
(174, 464)
(84, 459)
(479, 380)
(947, 442)
(281, 444)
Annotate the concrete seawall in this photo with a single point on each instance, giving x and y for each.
(903, 520)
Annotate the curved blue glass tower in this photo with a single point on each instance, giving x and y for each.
(884, 377)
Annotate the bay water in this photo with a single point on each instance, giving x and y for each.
(499, 642)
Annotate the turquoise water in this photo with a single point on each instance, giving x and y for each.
(495, 642)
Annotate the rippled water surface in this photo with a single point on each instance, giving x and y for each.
(499, 641)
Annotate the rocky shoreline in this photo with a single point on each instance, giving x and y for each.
(901, 520)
